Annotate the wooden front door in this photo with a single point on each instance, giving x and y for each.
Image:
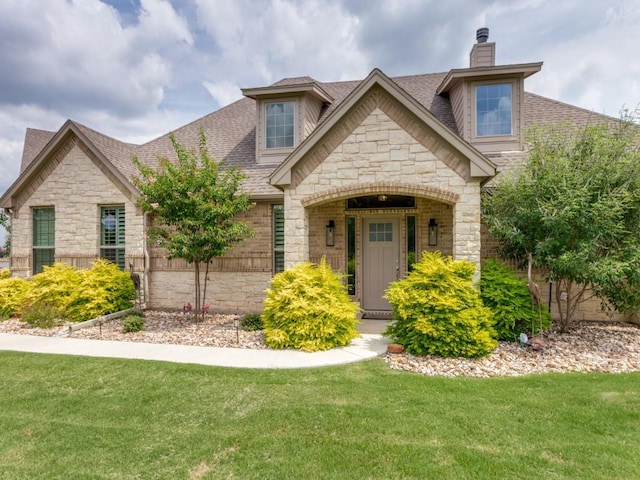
(380, 260)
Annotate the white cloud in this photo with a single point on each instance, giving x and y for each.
(261, 42)
(223, 92)
(74, 54)
(140, 73)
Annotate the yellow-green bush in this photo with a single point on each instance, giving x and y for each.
(53, 287)
(308, 308)
(64, 292)
(437, 310)
(4, 273)
(12, 294)
(102, 289)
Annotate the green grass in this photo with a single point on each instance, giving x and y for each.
(87, 418)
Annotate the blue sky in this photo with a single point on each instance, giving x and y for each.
(136, 69)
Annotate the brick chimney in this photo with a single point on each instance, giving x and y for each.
(483, 53)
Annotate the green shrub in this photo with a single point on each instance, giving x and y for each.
(53, 287)
(12, 295)
(80, 295)
(101, 290)
(132, 323)
(509, 299)
(437, 310)
(41, 315)
(4, 273)
(307, 307)
(252, 322)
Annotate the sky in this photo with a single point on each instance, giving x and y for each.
(136, 69)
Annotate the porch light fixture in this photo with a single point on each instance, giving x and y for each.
(330, 240)
(433, 232)
(382, 198)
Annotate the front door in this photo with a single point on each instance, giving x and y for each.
(380, 260)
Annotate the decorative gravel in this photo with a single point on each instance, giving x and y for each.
(159, 327)
(589, 347)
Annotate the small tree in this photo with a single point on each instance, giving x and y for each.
(575, 207)
(5, 250)
(195, 203)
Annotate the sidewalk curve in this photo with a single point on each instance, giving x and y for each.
(367, 346)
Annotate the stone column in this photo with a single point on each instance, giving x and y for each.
(466, 228)
(296, 230)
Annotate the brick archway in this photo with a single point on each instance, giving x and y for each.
(433, 193)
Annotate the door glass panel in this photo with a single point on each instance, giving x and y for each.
(380, 232)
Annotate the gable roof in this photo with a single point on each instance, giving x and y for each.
(100, 145)
(480, 165)
(231, 130)
(35, 140)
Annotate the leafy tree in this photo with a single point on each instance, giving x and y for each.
(575, 207)
(195, 203)
(5, 250)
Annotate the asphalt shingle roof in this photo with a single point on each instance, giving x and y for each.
(231, 130)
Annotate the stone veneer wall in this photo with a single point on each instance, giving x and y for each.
(378, 154)
(76, 187)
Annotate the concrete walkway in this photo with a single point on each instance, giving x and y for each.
(367, 346)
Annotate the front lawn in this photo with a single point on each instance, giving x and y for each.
(75, 417)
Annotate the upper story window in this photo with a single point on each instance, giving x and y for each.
(493, 110)
(279, 123)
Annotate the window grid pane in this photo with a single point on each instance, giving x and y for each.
(493, 110)
(112, 235)
(43, 227)
(44, 238)
(380, 232)
(279, 125)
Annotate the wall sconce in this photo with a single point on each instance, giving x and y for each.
(331, 226)
(433, 232)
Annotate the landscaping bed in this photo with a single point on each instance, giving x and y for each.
(589, 347)
(176, 328)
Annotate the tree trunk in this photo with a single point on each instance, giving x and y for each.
(204, 293)
(197, 287)
(566, 317)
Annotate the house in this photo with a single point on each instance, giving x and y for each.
(368, 174)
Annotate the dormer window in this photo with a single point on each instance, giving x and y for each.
(279, 124)
(494, 110)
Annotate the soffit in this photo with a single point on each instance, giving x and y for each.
(458, 75)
